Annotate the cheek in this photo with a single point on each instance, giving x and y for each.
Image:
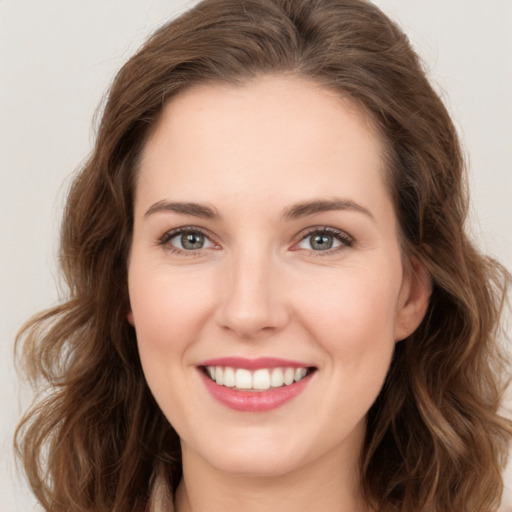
(169, 310)
(354, 322)
(355, 307)
(168, 307)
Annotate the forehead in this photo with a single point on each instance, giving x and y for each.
(261, 137)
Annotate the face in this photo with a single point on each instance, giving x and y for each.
(266, 280)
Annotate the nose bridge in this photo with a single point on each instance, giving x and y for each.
(251, 301)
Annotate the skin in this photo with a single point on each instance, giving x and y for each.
(258, 288)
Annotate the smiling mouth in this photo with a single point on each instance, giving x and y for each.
(262, 379)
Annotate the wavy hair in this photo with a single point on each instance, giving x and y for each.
(96, 441)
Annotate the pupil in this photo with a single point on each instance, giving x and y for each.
(192, 241)
(321, 242)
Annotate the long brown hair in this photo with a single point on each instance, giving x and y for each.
(95, 440)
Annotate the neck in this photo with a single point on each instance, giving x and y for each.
(330, 484)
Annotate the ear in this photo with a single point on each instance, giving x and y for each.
(130, 319)
(413, 300)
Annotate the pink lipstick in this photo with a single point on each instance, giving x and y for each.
(254, 385)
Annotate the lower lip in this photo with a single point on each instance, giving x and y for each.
(254, 401)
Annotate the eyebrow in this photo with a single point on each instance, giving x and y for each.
(318, 206)
(293, 212)
(202, 211)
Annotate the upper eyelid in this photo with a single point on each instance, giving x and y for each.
(171, 233)
(324, 229)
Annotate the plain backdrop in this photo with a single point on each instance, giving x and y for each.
(57, 58)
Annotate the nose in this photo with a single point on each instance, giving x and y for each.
(253, 301)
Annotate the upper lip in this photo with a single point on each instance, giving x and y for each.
(254, 364)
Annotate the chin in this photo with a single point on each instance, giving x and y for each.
(253, 456)
(257, 465)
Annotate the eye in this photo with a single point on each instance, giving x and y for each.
(324, 239)
(185, 240)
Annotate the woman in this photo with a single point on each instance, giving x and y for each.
(273, 302)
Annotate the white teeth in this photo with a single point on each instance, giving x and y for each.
(243, 379)
(300, 373)
(276, 379)
(261, 379)
(257, 380)
(229, 377)
(219, 374)
(289, 376)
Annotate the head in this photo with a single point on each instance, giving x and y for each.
(350, 51)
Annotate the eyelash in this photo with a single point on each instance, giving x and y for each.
(169, 235)
(345, 240)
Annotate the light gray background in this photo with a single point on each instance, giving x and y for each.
(57, 58)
